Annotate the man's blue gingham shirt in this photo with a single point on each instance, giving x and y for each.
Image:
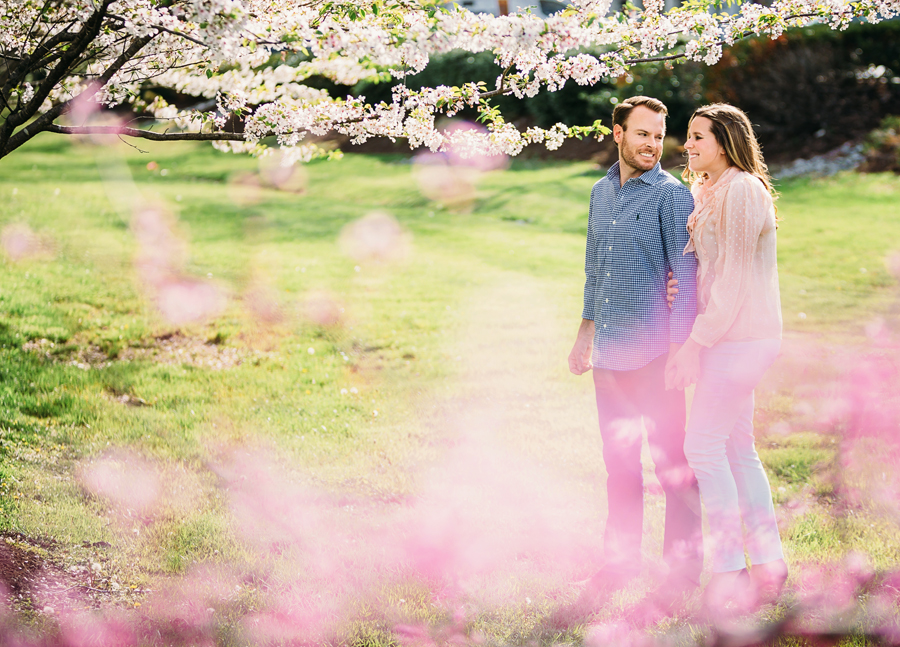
(636, 235)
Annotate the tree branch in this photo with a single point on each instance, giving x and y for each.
(651, 59)
(167, 30)
(45, 120)
(502, 89)
(80, 43)
(673, 57)
(145, 134)
(37, 19)
(657, 59)
(39, 58)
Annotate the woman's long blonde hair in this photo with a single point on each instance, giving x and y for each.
(733, 132)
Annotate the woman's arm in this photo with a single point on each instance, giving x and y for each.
(745, 210)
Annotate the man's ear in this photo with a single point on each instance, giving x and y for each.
(618, 132)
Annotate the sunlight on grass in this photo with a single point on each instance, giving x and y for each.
(375, 409)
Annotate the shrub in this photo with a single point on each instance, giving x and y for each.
(679, 87)
(882, 147)
(812, 89)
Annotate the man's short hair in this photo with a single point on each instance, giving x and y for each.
(623, 109)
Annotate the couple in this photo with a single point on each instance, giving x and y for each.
(722, 331)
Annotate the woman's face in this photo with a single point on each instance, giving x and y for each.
(704, 153)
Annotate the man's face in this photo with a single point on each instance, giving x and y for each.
(641, 141)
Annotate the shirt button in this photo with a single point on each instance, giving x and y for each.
(614, 222)
(604, 325)
(607, 274)
(610, 248)
(607, 300)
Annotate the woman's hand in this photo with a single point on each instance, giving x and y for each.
(683, 369)
(671, 290)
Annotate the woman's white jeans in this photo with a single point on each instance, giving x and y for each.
(719, 448)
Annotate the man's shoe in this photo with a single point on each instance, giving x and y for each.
(673, 595)
(597, 591)
(603, 584)
(609, 580)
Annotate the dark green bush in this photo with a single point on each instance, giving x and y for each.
(882, 146)
(573, 104)
(812, 89)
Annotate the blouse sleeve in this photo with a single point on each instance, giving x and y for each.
(746, 207)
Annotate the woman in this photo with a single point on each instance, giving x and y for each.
(735, 338)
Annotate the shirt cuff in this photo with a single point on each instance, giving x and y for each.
(678, 335)
(681, 323)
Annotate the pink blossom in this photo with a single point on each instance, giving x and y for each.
(186, 300)
(376, 236)
(322, 309)
(124, 479)
(19, 242)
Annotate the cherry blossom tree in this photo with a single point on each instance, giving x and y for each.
(251, 60)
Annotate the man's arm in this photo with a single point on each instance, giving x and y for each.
(591, 263)
(674, 212)
(580, 357)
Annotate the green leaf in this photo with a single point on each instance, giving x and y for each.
(209, 74)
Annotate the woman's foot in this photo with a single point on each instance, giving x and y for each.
(728, 595)
(768, 579)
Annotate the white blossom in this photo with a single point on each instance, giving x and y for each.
(251, 60)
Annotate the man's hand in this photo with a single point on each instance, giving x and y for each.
(683, 367)
(671, 290)
(580, 357)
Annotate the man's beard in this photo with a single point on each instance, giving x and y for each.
(632, 159)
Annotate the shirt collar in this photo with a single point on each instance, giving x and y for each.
(650, 177)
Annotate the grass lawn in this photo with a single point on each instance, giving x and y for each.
(373, 438)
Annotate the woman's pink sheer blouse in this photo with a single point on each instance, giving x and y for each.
(733, 235)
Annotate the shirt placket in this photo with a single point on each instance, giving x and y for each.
(609, 274)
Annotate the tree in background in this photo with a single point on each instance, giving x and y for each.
(64, 59)
(812, 90)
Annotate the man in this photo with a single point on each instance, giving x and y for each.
(636, 236)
